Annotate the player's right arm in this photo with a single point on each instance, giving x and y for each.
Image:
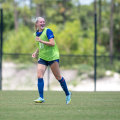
(34, 55)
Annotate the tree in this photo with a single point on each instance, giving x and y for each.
(39, 10)
(111, 30)
(39, 7)
(100, 5)
(15, 15)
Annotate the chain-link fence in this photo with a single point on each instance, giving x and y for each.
(20, 73)
(76, 26)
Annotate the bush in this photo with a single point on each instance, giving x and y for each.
(20, 41)
(116, 66)
(100, 73)
(84, 68)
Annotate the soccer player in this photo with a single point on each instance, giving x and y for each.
(48, 54)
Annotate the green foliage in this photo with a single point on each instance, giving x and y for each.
(84, 68)
(116, 66)
(20, 41)
(74, 83)
(117, 34)
(100, 73)
(8, 16)
(70, 39)
(71, 22)
(69, 36)
(89, 70)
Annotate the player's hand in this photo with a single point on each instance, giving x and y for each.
(38, 39)
(34, 55)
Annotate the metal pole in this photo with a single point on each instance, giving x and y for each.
(1, 42)
(48, 85)
(95, 45)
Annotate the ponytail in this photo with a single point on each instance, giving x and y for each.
(36, 26)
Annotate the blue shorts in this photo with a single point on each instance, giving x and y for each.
(44, 62)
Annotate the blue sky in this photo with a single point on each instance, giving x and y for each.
(82, 2)
(86, 2)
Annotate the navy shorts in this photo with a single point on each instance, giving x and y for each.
(44, 62)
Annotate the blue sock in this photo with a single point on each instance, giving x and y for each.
(40, 86)
(64, 86)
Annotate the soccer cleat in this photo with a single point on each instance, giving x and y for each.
(68, 98)
(39, 100)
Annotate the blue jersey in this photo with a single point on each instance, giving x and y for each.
(49, 33)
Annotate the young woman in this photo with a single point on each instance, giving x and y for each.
(48, 54)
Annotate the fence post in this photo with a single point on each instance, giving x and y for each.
(48, 85)
(1, 41)
(95, 44)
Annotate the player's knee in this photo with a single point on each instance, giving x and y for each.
(40, 74)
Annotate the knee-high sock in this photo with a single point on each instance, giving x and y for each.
(40, 87)
(64, 86)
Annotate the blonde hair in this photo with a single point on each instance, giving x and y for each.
(38, 18)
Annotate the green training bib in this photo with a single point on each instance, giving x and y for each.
(46, 52)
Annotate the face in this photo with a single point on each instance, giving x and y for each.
(41, 23)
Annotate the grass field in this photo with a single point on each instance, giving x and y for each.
(19, 105)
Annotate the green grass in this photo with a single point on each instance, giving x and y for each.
(19, 105)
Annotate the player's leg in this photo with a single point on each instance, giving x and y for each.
(56, 71)
(40, 73)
